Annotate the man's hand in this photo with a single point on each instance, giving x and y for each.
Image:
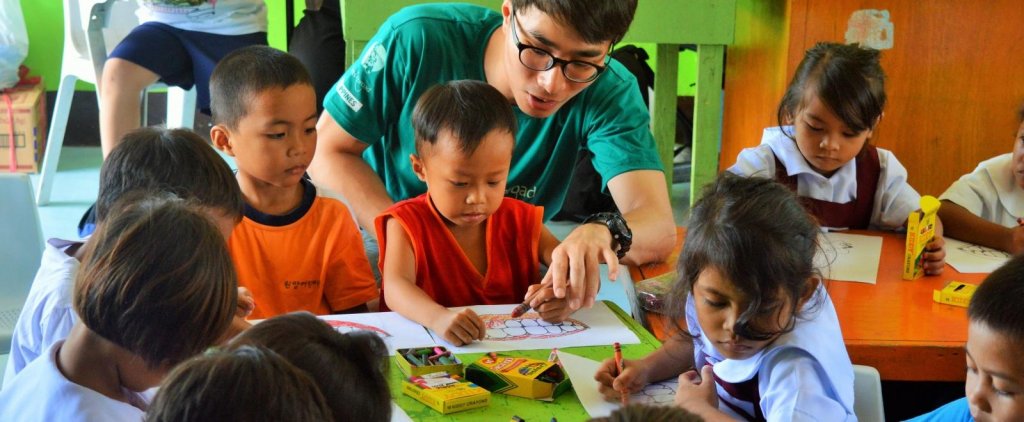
(574, 273)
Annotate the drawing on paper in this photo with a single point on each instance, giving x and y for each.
(659, 393)
(346, 327)
(983, 252)
(502, 327)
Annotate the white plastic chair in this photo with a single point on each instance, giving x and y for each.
(21, 249)
(91, 29)
(867, 394)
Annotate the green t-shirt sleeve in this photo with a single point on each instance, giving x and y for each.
(372, 91)
(619, 135)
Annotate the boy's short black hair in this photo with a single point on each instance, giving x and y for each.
(246, 72)
(251, 384)
(172, 160)
(466, 108)
(999, 301)
(157, 279)
(594, 20)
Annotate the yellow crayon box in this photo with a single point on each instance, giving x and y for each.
(955, 293)
(519, 376)
(920, 231)
(446, 394)
(417, 361)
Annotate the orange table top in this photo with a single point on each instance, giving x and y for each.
(892, 325)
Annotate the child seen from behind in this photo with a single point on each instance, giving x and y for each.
(821, 149)
(985, 207)
(350, 369)
(463, 242)
(294, 250)
(157, 286)
(170, 160)
(247, 384)
(760, 326)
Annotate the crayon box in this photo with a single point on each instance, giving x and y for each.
(518, 376)
(444, 393)
(920, 231)
(418, 361)
(955, 293)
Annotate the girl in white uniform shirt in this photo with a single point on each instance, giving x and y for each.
(760, 326)
(821, 150)
(986, 206)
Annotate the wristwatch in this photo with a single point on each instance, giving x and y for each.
(622, 236)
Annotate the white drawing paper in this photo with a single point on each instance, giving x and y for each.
(581, 371)
(586, 327)
(396, 331)
(849, 257)
(397, 414)
(970, 258)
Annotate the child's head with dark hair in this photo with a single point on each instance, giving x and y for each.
(245, 73)
(834, 103)
(465, 134)
(350, 369)
(995, 343)
(594, 21)
(748, 260)
(171, 160)
(464, 112)
(264, 113)
(248, 384)
(649, 413)
(157, 279)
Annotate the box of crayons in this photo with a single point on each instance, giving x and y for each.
(920, 231)
(424, 360)
(955, 293)
(445, 393)
(519, 376)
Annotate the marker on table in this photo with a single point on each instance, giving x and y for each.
(619, 368)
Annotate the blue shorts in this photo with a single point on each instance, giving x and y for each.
(182, 58)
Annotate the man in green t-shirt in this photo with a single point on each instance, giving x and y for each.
(550, 59)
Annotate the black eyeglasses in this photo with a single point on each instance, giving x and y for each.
(541, 60)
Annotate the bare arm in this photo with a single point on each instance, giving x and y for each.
(403, 295)
(642, 197)
(964, 225)
(338, 166)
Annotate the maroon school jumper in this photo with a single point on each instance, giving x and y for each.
(745, 391)
(855, 214)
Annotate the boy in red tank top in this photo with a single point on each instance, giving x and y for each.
(463, 242)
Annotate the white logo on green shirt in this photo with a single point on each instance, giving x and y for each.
(373, 59)
(347, 97)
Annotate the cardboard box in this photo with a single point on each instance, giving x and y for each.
(518, 376)
(445, 394)
(413, 369)
(920, 231)
(29, 111)
(955, 293)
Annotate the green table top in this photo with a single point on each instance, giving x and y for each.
(566, 407)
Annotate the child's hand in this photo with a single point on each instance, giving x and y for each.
(543, 300)
(460, 328)
(631, 380)
(697, 393)
(246, 303)
(1016, 240)
(934, 257)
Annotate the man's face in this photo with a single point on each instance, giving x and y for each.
(540, 93)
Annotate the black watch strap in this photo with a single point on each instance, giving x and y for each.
(622, 236)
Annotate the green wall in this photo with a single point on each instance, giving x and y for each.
(45, 22)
